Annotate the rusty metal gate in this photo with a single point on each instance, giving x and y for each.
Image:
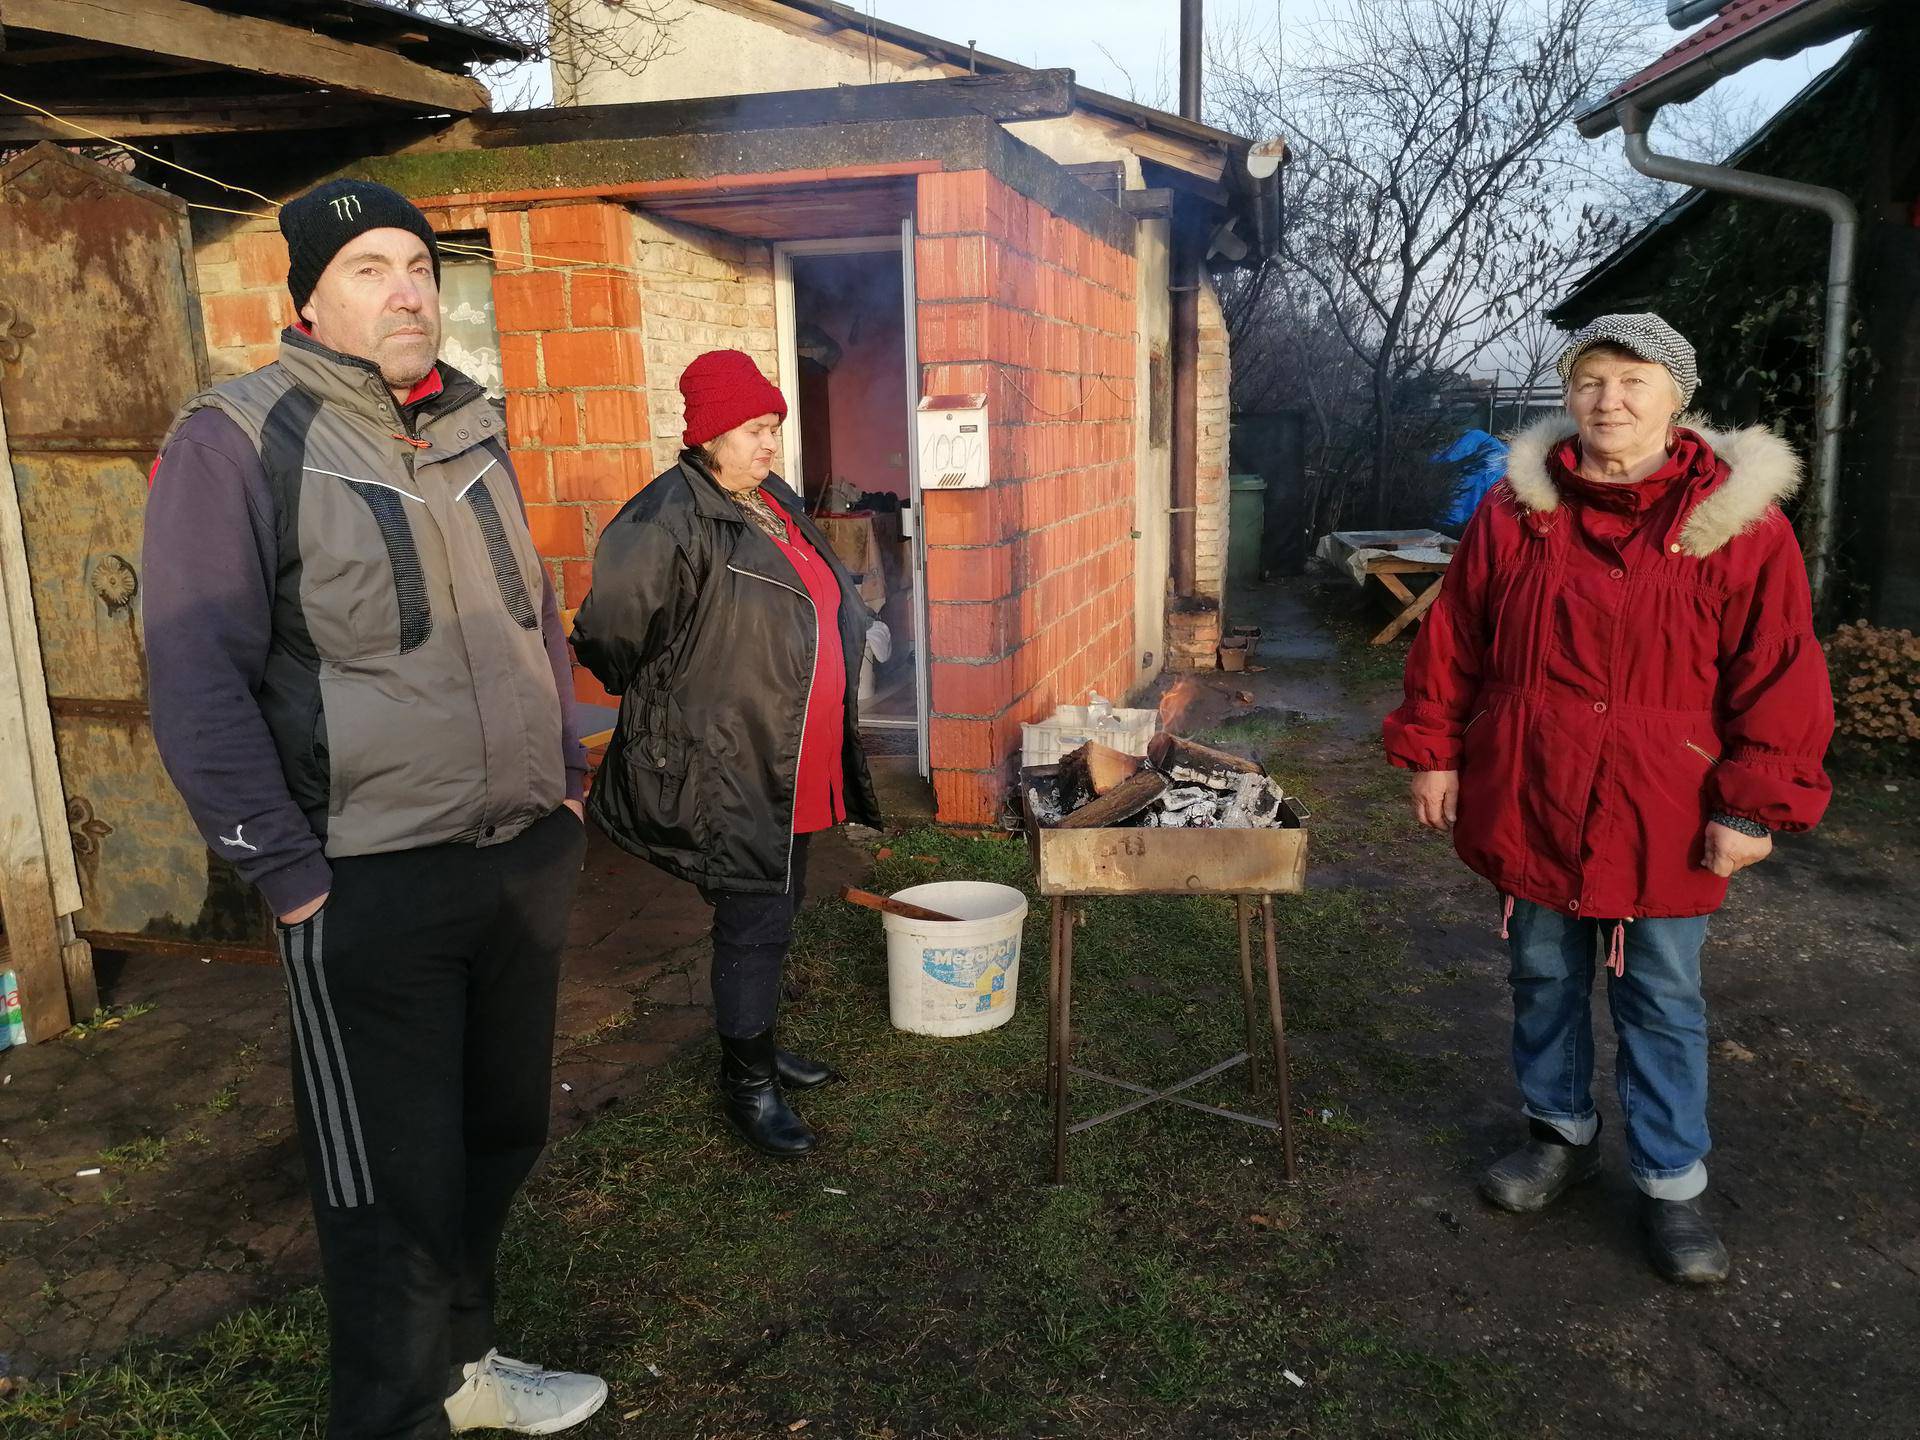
(100, 342)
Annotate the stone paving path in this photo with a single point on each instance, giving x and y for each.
(184, 1108)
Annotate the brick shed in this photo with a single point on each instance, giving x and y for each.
(868, 246)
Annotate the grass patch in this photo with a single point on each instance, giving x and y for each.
(949, 1293)
(141, 1154)
(110, 1017)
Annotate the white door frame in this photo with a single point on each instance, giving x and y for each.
(786, 331)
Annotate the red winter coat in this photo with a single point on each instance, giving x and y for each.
(1609, 666)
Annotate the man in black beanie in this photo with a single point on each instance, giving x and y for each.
(360, 686)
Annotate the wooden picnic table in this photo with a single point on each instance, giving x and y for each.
(1386, 556)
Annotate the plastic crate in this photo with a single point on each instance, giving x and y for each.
(1072, 726)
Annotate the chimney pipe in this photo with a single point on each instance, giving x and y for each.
(1190, 58)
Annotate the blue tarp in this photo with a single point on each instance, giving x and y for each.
(1481, 462)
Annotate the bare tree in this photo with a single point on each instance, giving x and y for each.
(1439, 197)
(575, 36)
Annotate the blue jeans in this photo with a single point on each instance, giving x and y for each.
(1660, 1016)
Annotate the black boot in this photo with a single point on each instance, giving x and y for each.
(796, 1072)
(1541, 1171)
(751, 1100)
(1681, 1241)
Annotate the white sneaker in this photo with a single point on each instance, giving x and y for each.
(503, 1394)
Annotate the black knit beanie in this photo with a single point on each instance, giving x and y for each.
(320, 222)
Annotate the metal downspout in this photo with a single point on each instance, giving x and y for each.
(1832, 409)
(1184, 315)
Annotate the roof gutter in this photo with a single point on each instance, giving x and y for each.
(1812, 24)
(1634, 121)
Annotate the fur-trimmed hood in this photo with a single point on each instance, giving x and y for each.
(1762, 471)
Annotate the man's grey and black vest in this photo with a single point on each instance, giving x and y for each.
(408, 687)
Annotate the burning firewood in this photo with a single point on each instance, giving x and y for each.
(1093, 770)
(1182, 784)
(1121, 803)
(1188, 762)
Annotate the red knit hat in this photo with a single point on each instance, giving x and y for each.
(722, 389)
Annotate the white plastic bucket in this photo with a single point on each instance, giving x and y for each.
(955, 977)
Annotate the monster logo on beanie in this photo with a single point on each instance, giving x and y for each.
(323, 220)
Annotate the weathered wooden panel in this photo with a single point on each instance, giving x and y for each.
(100, 335)
(1170, 862)
(82, 515)
(144, 870)
(100, 342)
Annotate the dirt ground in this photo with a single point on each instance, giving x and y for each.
(199, 1209)
(181, 1103)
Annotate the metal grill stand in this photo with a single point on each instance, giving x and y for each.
(1074, 865)
(1060, 1041)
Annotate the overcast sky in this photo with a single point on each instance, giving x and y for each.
(1107, 41)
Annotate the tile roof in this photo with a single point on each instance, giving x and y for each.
(1736, 18)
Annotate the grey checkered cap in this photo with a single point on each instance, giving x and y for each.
(1647, 336)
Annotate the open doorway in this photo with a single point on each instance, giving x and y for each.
(846, 356)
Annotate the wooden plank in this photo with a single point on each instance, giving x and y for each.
(22, 633)
(186, 31)
(1410, 614)
(76, 962)
(26, 891)
(1170, 862)
(1395, 586)
(1147, 204)
(1041, 95)
(24, 129)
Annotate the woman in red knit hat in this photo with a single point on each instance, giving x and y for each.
(733, 635)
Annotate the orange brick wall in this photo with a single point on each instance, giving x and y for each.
(573, 359)
(243, 298)
(1030, 581)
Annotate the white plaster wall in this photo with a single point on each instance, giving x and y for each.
(1153, 461)
(1210, 463)
(715, 52)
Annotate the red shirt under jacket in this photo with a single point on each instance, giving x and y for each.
(819, 801)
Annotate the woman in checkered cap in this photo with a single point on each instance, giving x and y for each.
(1615, 703)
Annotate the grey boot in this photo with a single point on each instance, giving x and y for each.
(1681, 1241)
(1540, 1171)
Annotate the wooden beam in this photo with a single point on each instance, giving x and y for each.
(1044, 94)
(22, 128)
(14, 54)
(1147, 204)
(179, 30)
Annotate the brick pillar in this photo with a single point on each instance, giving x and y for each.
(572, 358)
(1030, 581)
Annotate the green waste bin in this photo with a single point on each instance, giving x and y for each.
(1246, 527)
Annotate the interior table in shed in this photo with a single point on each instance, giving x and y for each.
(1387, 556)
(1252, 866)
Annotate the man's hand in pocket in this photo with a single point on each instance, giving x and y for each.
(306, 911)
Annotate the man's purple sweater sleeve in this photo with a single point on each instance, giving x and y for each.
(207, 596)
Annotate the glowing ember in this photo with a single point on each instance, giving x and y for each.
(1178, 702)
